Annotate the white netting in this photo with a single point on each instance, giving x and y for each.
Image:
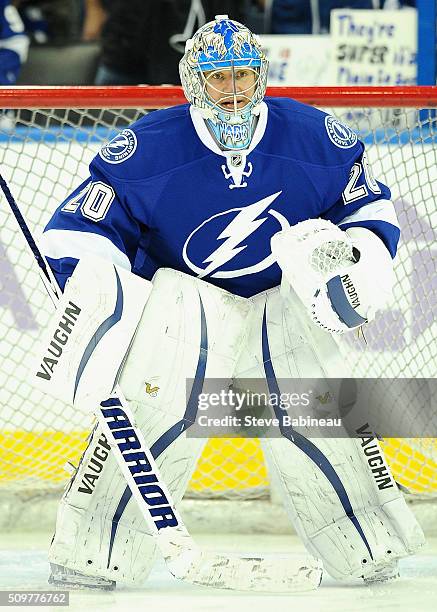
(46, 154)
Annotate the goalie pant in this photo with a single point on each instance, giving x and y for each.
(329, 489)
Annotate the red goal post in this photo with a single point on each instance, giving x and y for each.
(44, 154)
(162, 96)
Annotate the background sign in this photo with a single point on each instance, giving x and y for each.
(365, 47)
(298, 60)
(374, 47)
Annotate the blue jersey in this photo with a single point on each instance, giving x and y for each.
(162, 194)
(13, 43)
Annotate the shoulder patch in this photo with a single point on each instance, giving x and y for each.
(120, 148)
(339, 134)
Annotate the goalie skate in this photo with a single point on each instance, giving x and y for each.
(67, 578)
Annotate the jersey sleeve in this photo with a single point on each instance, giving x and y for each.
(363, 201)
(95, 219)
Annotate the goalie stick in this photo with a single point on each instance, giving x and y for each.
(184, 559)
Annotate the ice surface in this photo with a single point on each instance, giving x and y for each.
(23, 565)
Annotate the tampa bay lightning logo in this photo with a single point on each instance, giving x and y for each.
(120, 148)
(236, 238)
(341, 135)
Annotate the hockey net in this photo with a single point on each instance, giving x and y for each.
(49, 136)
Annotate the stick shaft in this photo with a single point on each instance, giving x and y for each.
(46, 274)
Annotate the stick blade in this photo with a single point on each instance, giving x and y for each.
(269, 574)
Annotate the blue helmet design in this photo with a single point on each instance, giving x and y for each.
(224, 75)
(226, 55)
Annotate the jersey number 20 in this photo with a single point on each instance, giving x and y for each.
(98, 198)
(353, 191)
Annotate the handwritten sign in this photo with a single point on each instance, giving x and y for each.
(372, 47)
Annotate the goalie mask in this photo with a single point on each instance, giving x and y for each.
(224, 75)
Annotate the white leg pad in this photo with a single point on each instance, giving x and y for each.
(189, 330)
(329, 490)
(357, 530)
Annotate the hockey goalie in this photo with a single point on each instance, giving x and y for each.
(231, 237)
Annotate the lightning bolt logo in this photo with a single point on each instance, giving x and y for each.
(342, 130)
(244, 224)
(341, 135)
(120, 148)
(118, 143)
